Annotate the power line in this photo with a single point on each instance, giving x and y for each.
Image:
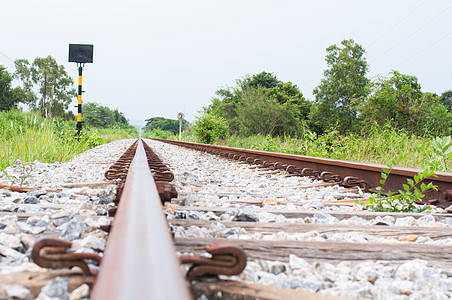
(419, 52)
(4, 56)
(397, 24)
(410, 35)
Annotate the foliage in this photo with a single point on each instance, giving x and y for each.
(158, 133)
(100, 116)
(262, 104)
(9, 97)
(446, 99)
(441, 148)
(164, 124)
(260, 113)
(29, 137)
(20, 173)
(262, 80)
(404, 200)
(381, 145)
(342, 90)
(210, 128)
(399, 102)
(45, 77)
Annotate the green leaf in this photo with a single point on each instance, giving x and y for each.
(384, 175)
(426, 173)
(416, 178)
(423, 187)
(406, 187)
(410, 181)
(382, 181)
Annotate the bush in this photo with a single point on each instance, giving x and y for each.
(210, 128)
(158, 133)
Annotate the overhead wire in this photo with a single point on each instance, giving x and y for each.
(413, 33)
(419, 52)
(6, 57)
(397, 24)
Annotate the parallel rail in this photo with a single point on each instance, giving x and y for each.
(346, 173)
(140, 258)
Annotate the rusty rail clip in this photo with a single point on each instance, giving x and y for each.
(227, 259)
(51, 253)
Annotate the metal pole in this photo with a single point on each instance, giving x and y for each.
(180, 129)
(79, 107)
(44, 96)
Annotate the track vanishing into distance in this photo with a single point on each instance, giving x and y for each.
(211, 222)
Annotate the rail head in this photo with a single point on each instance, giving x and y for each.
(140, 258)
(347, 172)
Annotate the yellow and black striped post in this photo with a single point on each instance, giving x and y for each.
(79, 106)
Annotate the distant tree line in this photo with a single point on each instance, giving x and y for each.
(160, 123)
(48, 89)
(100, 116)
(346, 101)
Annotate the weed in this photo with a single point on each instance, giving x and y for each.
(441, 147)
(20, 173)
(405, 200)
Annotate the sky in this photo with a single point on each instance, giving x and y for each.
(158, 58)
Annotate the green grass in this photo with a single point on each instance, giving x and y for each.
(29, 137)
(380, 146)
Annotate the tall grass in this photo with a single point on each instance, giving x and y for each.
(29, 137)
(380, 146)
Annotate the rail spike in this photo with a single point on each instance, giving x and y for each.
(227, 259)
(351, 181)
(52, 253)
(330, 177)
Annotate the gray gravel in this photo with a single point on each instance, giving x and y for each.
(212, 181)
(67, 214)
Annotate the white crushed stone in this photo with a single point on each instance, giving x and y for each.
(206, 180)
(65, 214)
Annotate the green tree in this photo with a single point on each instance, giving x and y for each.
(209, 128)
(97, 115)
(9, 97)
(263, 80)
(446, 99)
(399, 102)
(48, 79)
(164, 124)
(343, 89)
(278, 100)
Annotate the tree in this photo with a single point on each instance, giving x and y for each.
(45, 77)
(209, 128)
(283, 104)
(97, 115)
(399, 102)
(263, 80)
(164, 124)
(259, 113)
(446, 99)
(343, 88)
(9, 97)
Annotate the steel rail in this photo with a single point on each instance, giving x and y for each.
(140, 261)
(367, 175)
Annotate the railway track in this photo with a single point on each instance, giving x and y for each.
(259, 225)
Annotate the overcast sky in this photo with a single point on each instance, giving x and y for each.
(156, 58)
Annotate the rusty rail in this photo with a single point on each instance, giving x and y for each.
(346, 173)
(140, 259)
